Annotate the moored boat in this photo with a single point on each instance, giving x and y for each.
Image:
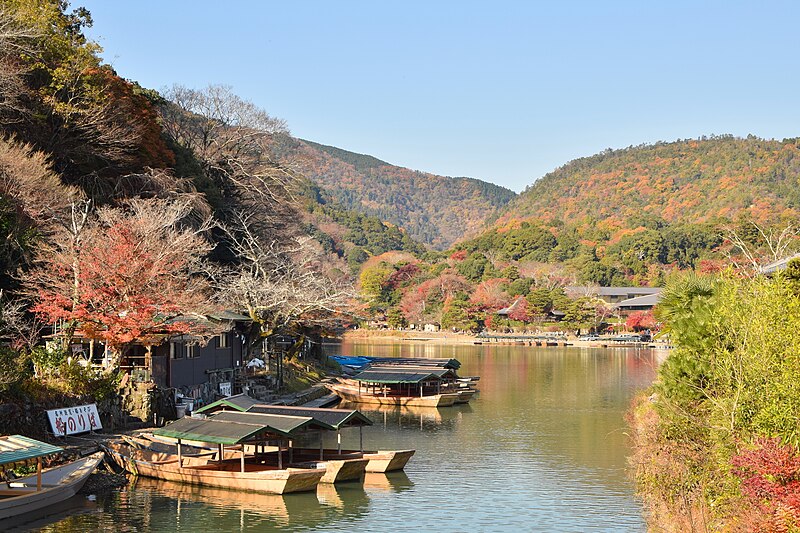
(407, 382)
(45, 488)
(256, 472)
(335, 420)
(227, 474)
(388, 460)
(370, 394)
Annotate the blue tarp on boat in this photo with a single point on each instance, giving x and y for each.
(351, 361)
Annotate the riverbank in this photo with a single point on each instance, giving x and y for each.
(450, 338)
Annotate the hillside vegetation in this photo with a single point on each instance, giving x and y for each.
(694, 181)
(434, 210)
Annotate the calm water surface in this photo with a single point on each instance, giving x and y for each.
(542, 448)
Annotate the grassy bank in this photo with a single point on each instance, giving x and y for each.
(715, 439)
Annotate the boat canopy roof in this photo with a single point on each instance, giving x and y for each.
(325, 418)
(285, 425)
(230, 427)
(19, 449)
(439, 372)
(379, 375)
(336, 418)
(454, 364)
(240, 402)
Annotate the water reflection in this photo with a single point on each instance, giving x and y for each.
(389, 482)
(542, 448)
(389, 417)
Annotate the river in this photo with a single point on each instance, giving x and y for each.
(542, 448)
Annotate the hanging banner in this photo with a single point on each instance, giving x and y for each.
(74, 420)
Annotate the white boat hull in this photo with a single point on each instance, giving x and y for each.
(58, 484)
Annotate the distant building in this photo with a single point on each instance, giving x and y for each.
(639, 303)
(504, 312)
(612, 295)
(777, 266)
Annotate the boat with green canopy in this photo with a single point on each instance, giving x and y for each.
(47, 486)
(229, 466)
(421, 387)
(335, 419)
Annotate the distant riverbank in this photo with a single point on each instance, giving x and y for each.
(446, 337)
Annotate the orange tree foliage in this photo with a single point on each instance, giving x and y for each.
(491, 294)
(129, 279)
(640, 321)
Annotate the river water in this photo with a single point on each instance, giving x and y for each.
(542, 448)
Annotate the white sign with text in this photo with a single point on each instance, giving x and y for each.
(74, 420)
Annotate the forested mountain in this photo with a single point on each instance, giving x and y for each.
(636, 213)
(694, 180)
(435, 210)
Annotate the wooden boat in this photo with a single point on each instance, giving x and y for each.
(337, 466)
(335, 419)
(465, 395)
(341, 466)
(46, 487)
(391, 396)
(204, 470)
(387, 460)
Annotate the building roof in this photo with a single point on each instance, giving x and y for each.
(648, 300)
(612, 291)
(506, 310)
(19, 449)
(378, 375)
(777, 266)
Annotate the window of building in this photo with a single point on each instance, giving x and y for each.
(222, 340)
(175, 351)
(191, 351)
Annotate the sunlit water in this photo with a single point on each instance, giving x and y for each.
(542, 448)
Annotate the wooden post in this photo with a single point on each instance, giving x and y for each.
(361, 438)
(338, 442)
(321, 454)
(221, 453)
(242, 457)
(180, 461)
(280, 455)
(291, 452)
(38, 474)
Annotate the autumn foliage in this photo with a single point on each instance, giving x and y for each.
(131, 276)
(770, 480)
(640, 321)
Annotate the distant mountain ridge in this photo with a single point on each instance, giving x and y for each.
(435, 210)
(695, 180)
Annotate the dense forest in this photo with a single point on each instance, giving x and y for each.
(434, 210)
(635, 216)
(129, 214)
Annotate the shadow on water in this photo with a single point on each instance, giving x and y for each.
(54, 513)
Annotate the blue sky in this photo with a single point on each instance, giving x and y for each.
(501, 91)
